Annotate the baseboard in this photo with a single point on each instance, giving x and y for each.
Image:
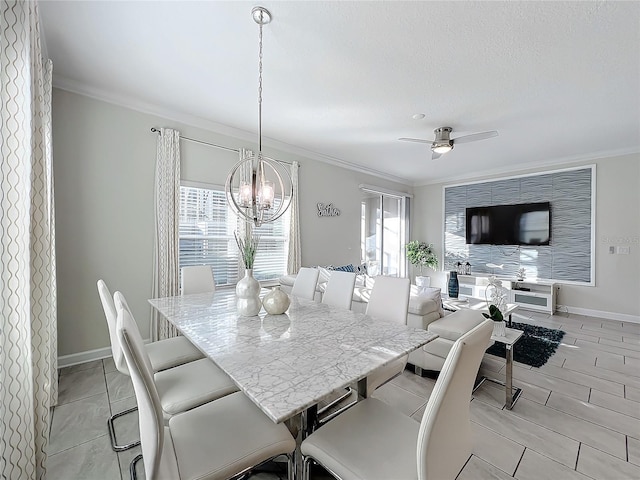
(623, 317)
(84, 357)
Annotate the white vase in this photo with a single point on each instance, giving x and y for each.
(499, 329)
(248, 295)
(276, 301)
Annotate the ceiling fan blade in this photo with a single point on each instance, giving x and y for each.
(474, 137)
(435, 156)
(417, 140)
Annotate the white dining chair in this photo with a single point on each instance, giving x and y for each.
(373, 441)
(305, 283)
(164, 354)
(197, 279)
(389, 300)
(339, 289)
(218, 440)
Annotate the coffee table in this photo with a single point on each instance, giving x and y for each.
(455, 304)
(511, 393)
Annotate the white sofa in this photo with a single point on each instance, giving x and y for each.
(424, 308)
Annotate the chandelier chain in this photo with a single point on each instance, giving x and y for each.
(260, 90)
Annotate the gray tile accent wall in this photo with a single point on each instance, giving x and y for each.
(569, 255)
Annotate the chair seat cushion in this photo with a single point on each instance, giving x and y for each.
(171, 352)
(373, 439)
(222, 438)
(453, 326)
(193, 384)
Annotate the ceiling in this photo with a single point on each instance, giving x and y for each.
(560, 81)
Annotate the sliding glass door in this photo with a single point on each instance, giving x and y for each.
(383, 233)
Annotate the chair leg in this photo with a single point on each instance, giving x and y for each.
(112, 432)
(132, 467)
(306, 466)
(291, 466)
(336, 401)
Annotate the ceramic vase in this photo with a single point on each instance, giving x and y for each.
(248, 295)
(499, 329)
(276, 302)
(453, 286)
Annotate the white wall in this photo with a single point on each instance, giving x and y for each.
(617, 289)
(104, 157)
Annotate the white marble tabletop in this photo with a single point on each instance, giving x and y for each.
(287, 363)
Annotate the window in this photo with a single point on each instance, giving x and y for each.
(383, 232)
(205, 233)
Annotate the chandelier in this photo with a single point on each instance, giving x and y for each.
(255, 188)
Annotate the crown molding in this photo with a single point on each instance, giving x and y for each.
(73, 86)
(529, 168)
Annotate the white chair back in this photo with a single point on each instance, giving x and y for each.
(389, 299)
(339, 289)
(149, 408)
(444, 439)
(197, 279)
(305, 283)
(110, 313)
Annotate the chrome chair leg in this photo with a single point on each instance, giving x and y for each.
(112, 432)
(336, 401)
(306, 466)
(291, 466)
(132, 467)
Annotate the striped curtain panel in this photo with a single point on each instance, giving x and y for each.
(166, 245)
(294, 256)
(28, 339)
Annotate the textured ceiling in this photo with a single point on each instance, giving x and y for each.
(560, 81)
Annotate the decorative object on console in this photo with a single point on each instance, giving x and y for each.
(255, 188)
(522, 273)
(276, 302)
(453, 286)
(421, 254)
(248, 288)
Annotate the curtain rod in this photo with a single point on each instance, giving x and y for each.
(157, 130)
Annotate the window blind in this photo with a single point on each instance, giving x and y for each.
(206, 227)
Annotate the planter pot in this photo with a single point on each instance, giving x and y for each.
(248, 295)
(499, 329)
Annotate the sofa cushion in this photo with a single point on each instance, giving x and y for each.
(455, 325)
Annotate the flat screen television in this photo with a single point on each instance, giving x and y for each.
(522, 224)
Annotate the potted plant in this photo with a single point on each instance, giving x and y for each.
(498, 320)
(422, 254)
(248, 288)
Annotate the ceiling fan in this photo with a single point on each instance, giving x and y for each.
(443, 143)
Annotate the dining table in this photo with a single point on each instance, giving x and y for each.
(286, 364)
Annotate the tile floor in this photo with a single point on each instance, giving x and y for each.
(578, 417)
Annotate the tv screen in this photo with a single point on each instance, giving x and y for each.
(522, 224)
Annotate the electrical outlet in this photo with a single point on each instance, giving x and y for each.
(623, 250)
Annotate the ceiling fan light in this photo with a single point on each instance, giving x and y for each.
(443, 148)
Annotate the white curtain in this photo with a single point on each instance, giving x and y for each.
(28, 338)
(167, 211)
(294, 256)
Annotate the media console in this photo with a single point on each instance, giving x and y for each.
(528, 294)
